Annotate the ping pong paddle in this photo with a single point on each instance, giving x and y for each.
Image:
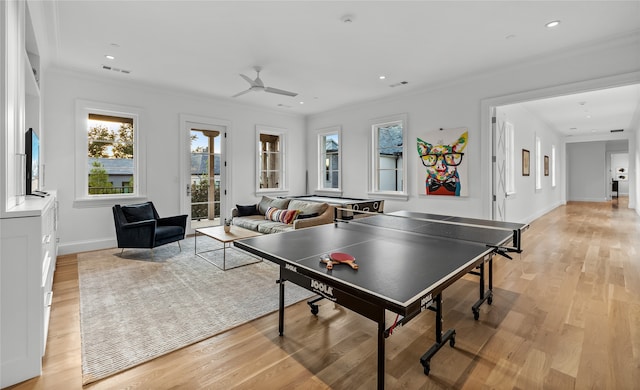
(344, 258)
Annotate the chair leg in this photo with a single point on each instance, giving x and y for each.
(179, 246)
(121, 251)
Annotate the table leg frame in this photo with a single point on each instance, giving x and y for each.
(485, 294)
(441, 339)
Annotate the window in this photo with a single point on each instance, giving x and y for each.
(271, 159)
(329, 163)
(538, 164)
(108, 153)
(553, 165)
(510, 156)
(388, 165)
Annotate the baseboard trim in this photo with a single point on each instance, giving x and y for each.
(86, 246)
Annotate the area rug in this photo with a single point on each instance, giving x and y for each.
(143, 304)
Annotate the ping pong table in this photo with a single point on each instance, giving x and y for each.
(406, 260)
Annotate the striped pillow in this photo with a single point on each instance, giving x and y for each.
(278, 215)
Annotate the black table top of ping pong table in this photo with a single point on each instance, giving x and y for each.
(400, 259)
(406, 259)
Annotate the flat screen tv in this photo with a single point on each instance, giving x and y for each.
(32, 150)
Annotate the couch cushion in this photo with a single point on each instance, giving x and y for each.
(280, 203)
(264, 204)
(247, 210)
(267, 201)
(279, 215)
(308, 207)
(269, 227)
(250, 222)
(138, 212)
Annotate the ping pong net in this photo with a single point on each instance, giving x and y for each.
(494, 234)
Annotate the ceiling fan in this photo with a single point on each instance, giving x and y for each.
(257, 85)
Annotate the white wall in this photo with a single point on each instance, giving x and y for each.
(92, 228)
(457, 104)
(528, 203)
(587, 175)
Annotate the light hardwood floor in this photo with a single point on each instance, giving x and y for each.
(565, 315)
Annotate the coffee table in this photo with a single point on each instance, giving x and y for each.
(226, 238)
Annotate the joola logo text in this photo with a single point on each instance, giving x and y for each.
(322, 288)
(291, 267)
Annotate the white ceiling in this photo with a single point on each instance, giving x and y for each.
(589, 112)
(306, 47)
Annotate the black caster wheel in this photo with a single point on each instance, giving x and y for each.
(476, 314)
(314, 310)
(490, 300)
(427, 368)
(452, 342)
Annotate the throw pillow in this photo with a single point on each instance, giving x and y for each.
(308, 207)
(138, 212)
(279, 215)
(264, 204)
(280, 203)
(243, 211)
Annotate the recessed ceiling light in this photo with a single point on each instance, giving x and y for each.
(301, 102)
(110, 57)
(382, 77)
(347, 19)
(588, 116)
(553, 23)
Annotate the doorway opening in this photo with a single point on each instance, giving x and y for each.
(555, 106)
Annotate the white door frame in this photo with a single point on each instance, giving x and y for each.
(486, 106)
(187, 122)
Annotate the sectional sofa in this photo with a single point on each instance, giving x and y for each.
(274, 215)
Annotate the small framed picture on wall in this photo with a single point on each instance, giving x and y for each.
(526, 171)
(546, 165)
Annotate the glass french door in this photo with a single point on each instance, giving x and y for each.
(205, 177)
(203, 144)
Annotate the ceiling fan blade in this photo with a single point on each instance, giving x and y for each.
(241, 93)
(250, 81)
(280, 91)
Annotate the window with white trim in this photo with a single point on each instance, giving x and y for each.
(108, 153)
(329, 178)
(271, 159)
(510, 156)
(388, 167)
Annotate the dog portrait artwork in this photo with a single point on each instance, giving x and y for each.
(442, 158)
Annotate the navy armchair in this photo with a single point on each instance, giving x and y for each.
(139, 226)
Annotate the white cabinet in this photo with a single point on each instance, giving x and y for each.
(27, 264)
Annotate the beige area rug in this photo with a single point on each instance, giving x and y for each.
(135, 307)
